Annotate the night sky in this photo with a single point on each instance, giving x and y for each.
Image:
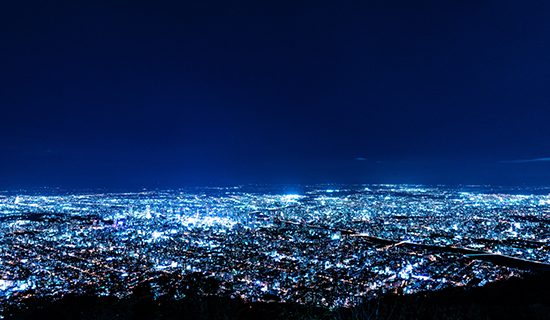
(172, 94)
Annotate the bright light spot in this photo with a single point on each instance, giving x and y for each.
(336, 236)
(156, 235)
(291, 197)
(206, 222)
(406, 272)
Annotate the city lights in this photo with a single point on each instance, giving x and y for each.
(312, 248)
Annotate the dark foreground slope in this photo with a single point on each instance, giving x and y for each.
(527, 298)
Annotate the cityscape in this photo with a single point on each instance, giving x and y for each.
(324, 245)
(294, 160)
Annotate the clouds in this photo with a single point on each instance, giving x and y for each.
(527, 160)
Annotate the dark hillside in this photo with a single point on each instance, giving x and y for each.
(527, 298)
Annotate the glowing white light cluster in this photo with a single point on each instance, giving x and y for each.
(208, 221)
(15, 285)
(291, 197)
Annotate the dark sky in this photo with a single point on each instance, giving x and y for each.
(168, 94)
